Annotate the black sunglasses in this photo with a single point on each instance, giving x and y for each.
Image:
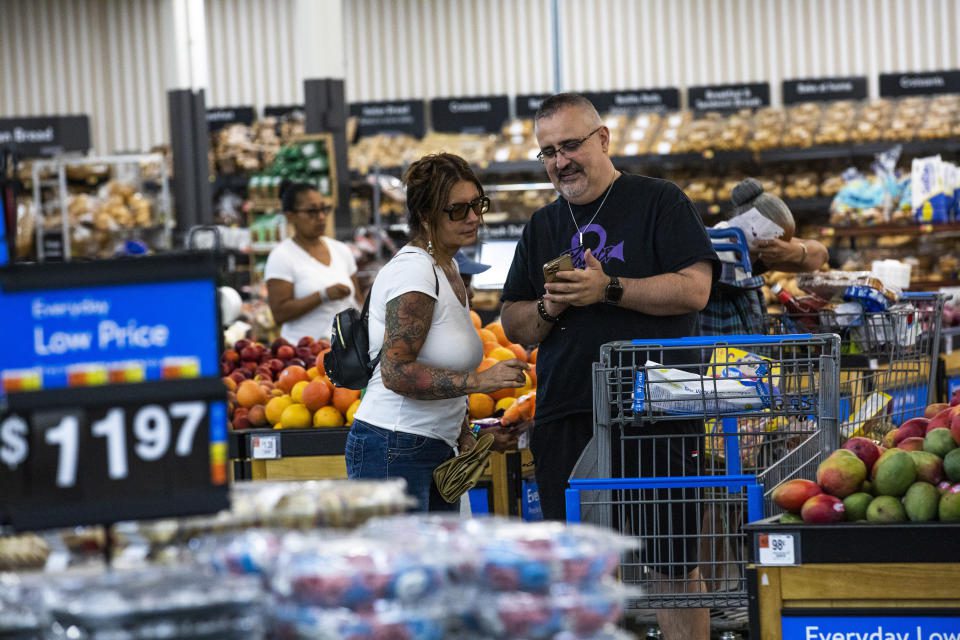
(316, 212)
(566, 148)
(459, 211)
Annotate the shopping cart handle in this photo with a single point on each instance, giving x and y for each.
(709, 341)
(919, 295)
(603, 484)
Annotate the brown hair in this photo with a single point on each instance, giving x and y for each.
(429, 182)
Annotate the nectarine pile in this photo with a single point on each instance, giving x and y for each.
(283, 386)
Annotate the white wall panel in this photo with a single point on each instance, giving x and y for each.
(98, 57)
(432, 48)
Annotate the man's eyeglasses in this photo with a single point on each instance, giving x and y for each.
(316, 212)
(566, 147)
(459, 211)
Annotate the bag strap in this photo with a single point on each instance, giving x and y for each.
(365, 313)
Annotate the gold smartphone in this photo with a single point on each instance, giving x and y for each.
(560, 263)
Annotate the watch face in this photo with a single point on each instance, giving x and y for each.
(614, 291)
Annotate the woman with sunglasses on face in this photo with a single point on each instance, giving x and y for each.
(414, 411)
(310, 278)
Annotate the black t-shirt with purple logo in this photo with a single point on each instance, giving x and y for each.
(646, 227)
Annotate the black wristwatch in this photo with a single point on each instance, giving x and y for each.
(613, 292)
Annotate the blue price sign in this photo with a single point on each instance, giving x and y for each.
(88, 336)
(875, 627)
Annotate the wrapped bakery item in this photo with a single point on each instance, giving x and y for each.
(834, 285)
(660, 389)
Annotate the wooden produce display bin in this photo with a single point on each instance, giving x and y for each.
(854, 580)
(289, 454)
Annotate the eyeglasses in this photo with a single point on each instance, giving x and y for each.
(316, 212)
(566, 147)
(459, 211)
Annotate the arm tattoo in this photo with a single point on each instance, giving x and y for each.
(408, 320)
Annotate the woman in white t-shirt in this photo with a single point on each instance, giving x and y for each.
(414, 409)
(310, 278)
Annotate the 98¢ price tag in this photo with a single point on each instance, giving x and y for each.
(776, 549)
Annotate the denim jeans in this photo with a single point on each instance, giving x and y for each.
(375, 453)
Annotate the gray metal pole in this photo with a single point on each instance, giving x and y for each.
(557, 69)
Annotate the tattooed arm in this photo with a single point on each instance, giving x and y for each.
(408, 321)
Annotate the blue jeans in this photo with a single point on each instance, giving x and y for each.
(374, 453)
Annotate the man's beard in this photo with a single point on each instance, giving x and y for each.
(570, 190)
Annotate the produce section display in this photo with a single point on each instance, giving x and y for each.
(913, 475)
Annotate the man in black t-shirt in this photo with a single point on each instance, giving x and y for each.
(643, 268)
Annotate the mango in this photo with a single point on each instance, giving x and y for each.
(894, 474)
(822, 509)
(911, 444)
(912, 428)
(841, 474)
(790, 518)
(929, 466)
(939, 442)
(886, 509)
(934, 409)
(865, 449)
(855, 506)
(949, 508)
(951, 465)
(921, 502)
(791, 495)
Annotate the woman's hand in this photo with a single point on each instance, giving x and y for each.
(503, 375)
(504, 438)
(778, 252)
(336, 292)
(466, 442)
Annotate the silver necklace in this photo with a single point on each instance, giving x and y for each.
(587, 226)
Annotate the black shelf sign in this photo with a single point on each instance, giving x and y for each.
(729, 97)
(279, 111)
(45, 135)
(393, 117)
(99, 463)
(824, 89)
(894, 85)
(475, 114)
(526, 105)
(223, 116)
(634, 100)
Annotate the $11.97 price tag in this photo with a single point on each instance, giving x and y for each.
(110, 463)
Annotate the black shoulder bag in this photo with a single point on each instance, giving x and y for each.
(348, 362)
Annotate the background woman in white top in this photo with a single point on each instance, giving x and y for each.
(310, 278)
(414, 410)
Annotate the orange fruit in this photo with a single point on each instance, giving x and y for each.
(296, 416)
(532, 358)
(504, 403)
(327, 417)
(487, 336)
(475, 317)
(312, 373)
(490, 346)
(275, 407)
(497, 329)
(500, 394)
(250, 393)
(291, 376)
(352, 411)
(519, 351)
(532, 372)
(343, 398)
(297, 392)
(486, 363)
(481, 405)
(316, 394)
(501, 353)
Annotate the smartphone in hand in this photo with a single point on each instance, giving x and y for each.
(552, 268)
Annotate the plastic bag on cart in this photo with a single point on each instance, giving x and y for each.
(660, 389)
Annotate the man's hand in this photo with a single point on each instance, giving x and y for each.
(579, 287)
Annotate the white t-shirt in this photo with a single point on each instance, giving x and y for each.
(291, 263)
(452, 343)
